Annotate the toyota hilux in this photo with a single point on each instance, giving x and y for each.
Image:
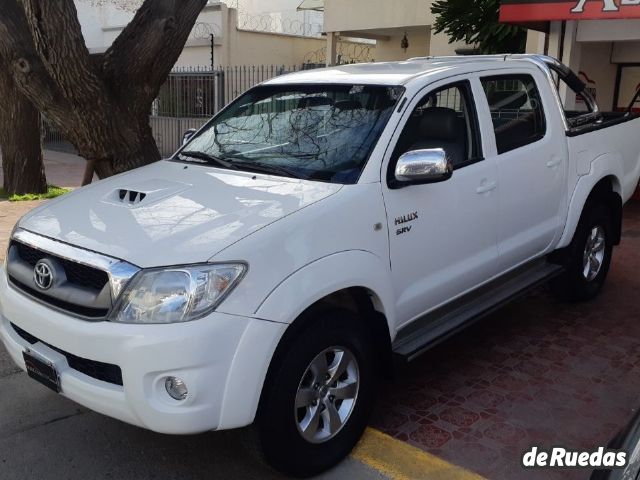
(321, 227)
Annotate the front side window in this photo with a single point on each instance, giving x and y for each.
(444, 119)
(516, 110)
(314, 132)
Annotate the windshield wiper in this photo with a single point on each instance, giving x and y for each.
(268, 169)
(210, 159)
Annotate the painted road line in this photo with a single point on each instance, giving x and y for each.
(400, 461)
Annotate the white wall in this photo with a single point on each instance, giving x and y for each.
(390, 50)
(102, 24)
(626, 52)
(608, 30)
(596, 64)
(353, 15)
(535, 42)
(440, 45)
(91, 22)
(278, 16)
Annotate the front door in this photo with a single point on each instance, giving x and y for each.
(442, 235)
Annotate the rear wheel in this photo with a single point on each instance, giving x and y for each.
(318, 397)
(588, 257)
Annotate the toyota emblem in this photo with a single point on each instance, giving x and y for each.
(43, 275)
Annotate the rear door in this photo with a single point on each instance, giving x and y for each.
(531, 156)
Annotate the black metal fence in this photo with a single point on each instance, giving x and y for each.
(189, 97)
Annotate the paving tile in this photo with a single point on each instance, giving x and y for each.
(538, 372)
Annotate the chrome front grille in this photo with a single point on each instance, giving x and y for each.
(84, 283)
(76, 273)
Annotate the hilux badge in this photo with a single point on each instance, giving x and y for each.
(43, 275)
(406, 218)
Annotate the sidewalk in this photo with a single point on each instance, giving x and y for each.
(62, 169)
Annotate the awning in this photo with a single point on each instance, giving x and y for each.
(529, 11)
(317, 5)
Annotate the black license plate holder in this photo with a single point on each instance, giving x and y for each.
(42, 371)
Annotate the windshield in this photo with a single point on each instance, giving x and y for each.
(314, 132)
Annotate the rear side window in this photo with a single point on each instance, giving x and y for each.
(516, 110)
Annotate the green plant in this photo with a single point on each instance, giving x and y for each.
(477, 23)
(52, 192)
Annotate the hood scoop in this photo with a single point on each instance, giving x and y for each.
(144, 193)
(131, 197)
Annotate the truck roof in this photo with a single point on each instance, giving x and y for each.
(401, 73)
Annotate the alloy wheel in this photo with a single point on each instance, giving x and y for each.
(594, 253)
(327, 394)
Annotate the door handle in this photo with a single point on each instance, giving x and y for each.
(486, 187)
(554, 162)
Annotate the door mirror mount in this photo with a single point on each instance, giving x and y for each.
(186, 136)
(419, 167)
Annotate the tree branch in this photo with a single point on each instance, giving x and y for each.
(23, 62)
(57, 38)
(139, 60)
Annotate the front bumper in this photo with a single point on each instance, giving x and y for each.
(222, 358)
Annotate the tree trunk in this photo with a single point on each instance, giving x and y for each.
(125, 145)
(20, 141)
(100, 103)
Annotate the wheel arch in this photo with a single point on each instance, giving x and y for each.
(370, 317)
(607, 190)
(352, 270)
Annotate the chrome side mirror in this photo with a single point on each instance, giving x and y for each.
(186, 136)
(423, 166)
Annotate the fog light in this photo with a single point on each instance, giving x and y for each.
(176, 388)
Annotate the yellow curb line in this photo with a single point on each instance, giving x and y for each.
(400, 461)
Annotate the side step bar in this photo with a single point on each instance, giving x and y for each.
(435, 327)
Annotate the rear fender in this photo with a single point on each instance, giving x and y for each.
(608, 165)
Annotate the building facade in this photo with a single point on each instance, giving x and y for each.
(223, 34)
(600, 39)
(401, 30)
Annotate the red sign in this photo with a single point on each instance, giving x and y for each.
(522, 11)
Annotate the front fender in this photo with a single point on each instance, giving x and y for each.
(608, 165)
(327, 275)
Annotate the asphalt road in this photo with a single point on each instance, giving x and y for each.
(46, 436)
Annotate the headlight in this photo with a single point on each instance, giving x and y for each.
(176, 294)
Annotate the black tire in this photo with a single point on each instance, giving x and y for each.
(283, 445)
(573, 285)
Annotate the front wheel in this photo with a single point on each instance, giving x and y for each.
(588, 257)
(318, 398)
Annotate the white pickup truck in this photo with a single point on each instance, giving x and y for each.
(323, 225)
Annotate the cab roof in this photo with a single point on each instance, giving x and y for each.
(401, 73)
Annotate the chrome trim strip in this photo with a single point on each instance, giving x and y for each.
(119, 271)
